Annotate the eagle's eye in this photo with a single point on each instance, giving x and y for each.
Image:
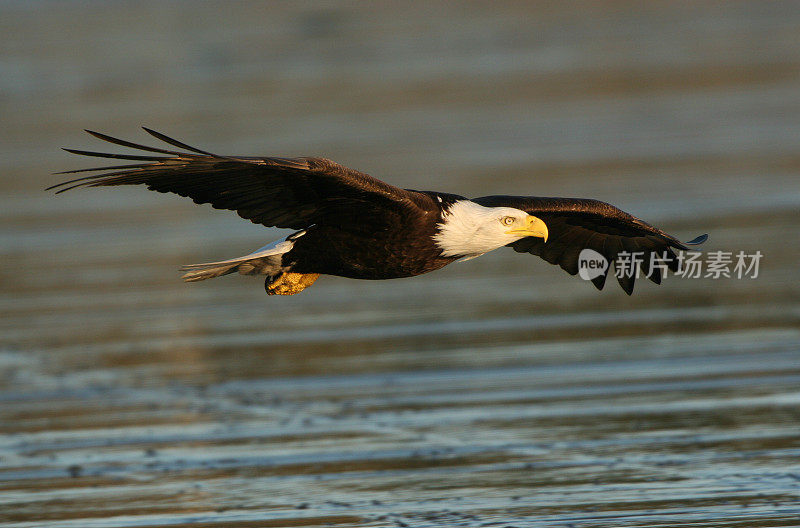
(507, 220)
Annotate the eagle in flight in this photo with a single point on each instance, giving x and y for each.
(350, 224)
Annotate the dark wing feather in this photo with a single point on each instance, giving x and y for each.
(282, 192)
(575, 224)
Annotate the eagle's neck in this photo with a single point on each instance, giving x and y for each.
(461, 232)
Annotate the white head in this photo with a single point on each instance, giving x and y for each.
(470, 229)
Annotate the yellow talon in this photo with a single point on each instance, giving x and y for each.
(290, 283)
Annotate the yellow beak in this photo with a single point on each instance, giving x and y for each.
(534, 227)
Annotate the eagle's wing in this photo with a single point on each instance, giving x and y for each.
(575, 224)
(284, 192)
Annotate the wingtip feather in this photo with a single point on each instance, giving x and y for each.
(698, 240)
(175, 142)
(600, 281)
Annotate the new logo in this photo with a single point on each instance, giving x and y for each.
(591, 264)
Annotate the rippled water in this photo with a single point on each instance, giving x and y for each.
(497, 392)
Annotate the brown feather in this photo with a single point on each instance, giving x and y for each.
(282, 192)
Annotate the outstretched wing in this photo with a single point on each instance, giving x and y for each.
(283, 192)
(575, 224)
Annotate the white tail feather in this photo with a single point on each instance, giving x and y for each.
(207, 273)
(264, 261)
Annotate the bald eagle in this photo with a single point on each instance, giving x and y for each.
(350, 224)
